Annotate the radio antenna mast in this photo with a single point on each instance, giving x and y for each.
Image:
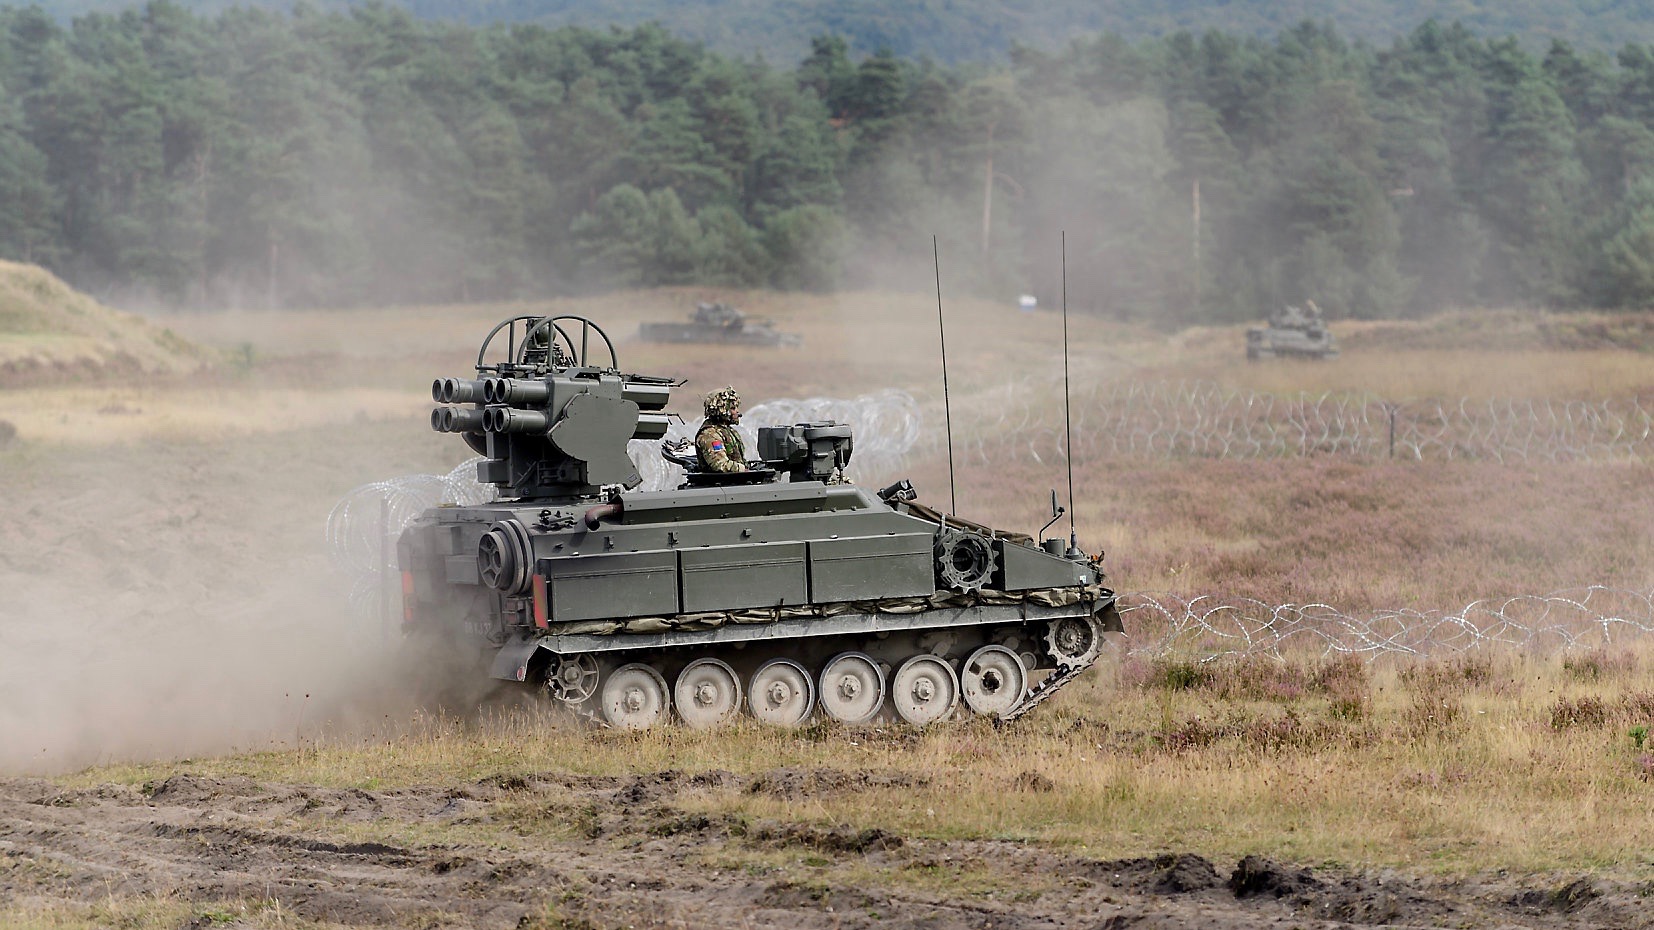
(1067, 419)
(942, 330)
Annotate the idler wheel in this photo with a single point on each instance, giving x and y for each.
(634, 697)
(1074, 640)
(964, 561)
(505, 559)
(572, 679)
(707, 693)
(781, 693)
(852, 688)
(924, 690)
(993, 681)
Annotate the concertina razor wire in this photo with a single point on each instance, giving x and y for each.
(1213, 627)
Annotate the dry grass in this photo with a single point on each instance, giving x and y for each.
(1509, 329)
(51, 333)
(1466, 353)
(853, 343)
(299, 368)
(1457, 765)
(152, 912)
(121, 415)
(1525, 762)
(1454, 373)
(1355, 535)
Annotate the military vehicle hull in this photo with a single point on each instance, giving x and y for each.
(718, 323)
(689, 332)
(1273, 342)
(799, 573)
(782, 592)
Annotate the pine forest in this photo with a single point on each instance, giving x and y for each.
(361, 156)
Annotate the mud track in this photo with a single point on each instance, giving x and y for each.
(557, 850)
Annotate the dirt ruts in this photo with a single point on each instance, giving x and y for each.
(560, 850)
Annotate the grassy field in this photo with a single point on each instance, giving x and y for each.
(1516, 762)
(198, 498)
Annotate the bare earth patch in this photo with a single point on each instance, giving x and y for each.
(634, 858)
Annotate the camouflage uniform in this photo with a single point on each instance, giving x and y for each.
(718, 445)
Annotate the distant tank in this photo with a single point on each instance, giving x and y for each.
(718, 323)
(783, 592)
(1293, 331)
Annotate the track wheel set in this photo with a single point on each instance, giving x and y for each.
(851, 687)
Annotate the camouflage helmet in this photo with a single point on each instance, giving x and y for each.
(722, 405)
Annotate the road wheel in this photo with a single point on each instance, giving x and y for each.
(781, 693)
(708, 693)
(852, 688)
(924, 690)
(993, 681)
(634, 697)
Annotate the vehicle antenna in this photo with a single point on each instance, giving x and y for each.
(947, 413)
(1067, 419)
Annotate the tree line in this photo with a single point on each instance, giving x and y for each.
(365, 156)
(957, 31)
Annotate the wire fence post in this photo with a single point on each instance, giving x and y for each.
(1392, 411)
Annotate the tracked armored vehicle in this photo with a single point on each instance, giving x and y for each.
(782, 592)
(719, 323)
(1293, 332)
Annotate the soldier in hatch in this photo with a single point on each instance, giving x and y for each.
(718, 444)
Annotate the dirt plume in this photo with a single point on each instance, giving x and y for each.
(170, 600)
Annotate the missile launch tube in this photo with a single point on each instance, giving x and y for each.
(647, 396)
(456, 420)
(456, 391)
(515, 391)
(512, 420)
(650, 426)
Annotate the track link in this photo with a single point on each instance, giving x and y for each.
(1051, 685)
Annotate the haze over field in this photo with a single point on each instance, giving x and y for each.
(168, 598)
(1390, 617)
(185, 510)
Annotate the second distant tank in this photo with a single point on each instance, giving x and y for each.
(1298, 332)
(720, 323)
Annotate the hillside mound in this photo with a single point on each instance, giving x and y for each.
(52, 333)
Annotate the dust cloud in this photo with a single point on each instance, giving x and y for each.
(173, 599)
